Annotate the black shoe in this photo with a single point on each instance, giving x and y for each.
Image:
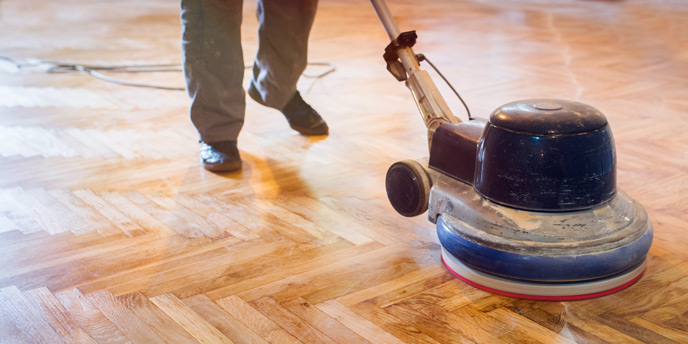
(301, 116)
(220, 156)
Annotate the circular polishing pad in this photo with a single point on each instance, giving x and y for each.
(541, 247)
(580, 290)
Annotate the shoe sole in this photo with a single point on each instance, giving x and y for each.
(224, 167)
(317, 131)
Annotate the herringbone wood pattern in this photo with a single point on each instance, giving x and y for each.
(111, 231)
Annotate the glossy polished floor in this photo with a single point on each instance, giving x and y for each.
(111, 231)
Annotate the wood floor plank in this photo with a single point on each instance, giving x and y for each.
(27, 319)
(633, 330)
(379, 216)
(54, 217)
(42, 244)
(292, 225)
(11, 238)
(193, 323)
(216, 213)
(58, 274)
(673, 330)
(571, 322)
(672, 314)
(57, 317)
(195, 271)
(60, 248)
(289, 321)
(397, 289)
(406, 331)
(111, 230)
(244, 213)
(90, 318)
(87, 214)
(324, 217)
(326, 280)
(123, 318)
(282, 272)
(322, 322)
(263, 267)
(184, 222)
(441, 326)
(356, 323)
(518, 327)
(558, 322)
(143, 219)
(455, 294)
(157, 320)
(255, 320)
(53, 249)
(184, 253)
(223, 321)
(20, 213)
(10, 332)
(106, 209)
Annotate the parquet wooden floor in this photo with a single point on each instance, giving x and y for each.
(111, 231)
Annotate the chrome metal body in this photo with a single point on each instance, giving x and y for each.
(431, 105)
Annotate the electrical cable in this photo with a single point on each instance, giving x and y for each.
(422, 57)
(331, 69)
(95, 70)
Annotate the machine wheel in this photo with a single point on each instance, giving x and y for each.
(408, 187)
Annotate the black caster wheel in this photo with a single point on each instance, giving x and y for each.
(408, 187)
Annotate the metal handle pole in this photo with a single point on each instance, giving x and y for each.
(386, 18)
(431, 105)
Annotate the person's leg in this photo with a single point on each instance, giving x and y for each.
(281, 59)
(282, 48)
(214, 67)
(214, 71)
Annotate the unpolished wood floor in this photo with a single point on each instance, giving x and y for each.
(111, 231)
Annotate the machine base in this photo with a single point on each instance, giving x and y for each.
(580, 290)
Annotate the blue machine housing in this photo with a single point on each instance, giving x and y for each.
(531, 195)
(538, 154)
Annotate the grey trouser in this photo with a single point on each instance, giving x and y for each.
(214, 64)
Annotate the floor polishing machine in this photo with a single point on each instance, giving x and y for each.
(525, 202)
